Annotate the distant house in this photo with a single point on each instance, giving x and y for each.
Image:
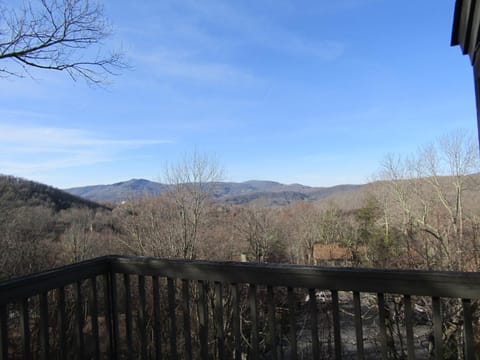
(334, 254)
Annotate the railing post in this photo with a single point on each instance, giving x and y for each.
(336, 325)
(142, 316)
(382, 311)
(79, 318)
(220, 336)
(252, 303)
(292, 323)
(94, 317)
(62, 322)
(108, 314)
(157, 320)
(409, 327)
(468, 329)
(313, 319)
(272, 322)
(3, 333)
(187, 333)
(173, 318)
(25, 329)
(437, 328)
(236, 321)
(111, 318)
(203, 319)
(128, 316)
(43, 331)
(358, 325)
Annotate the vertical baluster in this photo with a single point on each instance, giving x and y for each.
(313, 326)
(25, 328)
(156, 314)
(128, 315)
(236, 322)
(293, 325)
(468, 329)
(358, 325)
(282, 334)
(79, 318)
(108, 316)
(173, 318)
(271, 322)
(203, 319)
(114, 309)
(187, 334)
(437, 327)
(219, 320)
(409, 327)
(43, 330)
(94, 317)
(141, 316)
(62, 323)
(252, 303)
(336, 325)
(3, 333)
(382, 311)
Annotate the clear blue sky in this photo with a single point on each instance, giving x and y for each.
(312, 92)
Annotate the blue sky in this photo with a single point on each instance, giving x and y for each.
(312, 92)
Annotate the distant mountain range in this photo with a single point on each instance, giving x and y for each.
(267, 192)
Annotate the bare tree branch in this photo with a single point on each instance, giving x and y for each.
(62, 35)
(192, 183)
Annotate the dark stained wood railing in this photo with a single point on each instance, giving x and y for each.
(136, 307)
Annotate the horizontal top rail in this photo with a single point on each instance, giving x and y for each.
(424, 283)
(412, 282)
(34, 284)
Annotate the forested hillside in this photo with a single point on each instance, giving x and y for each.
(16, 192)
(41, 226)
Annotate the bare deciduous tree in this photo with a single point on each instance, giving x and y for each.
(77, 237)
(149, 226)
(192, 182)
(259, 228)
(24, 235)
(173, 224)
(62, 35)
(429, 192)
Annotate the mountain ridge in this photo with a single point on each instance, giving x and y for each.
(271, 192)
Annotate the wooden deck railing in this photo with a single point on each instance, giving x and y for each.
(135, 307)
